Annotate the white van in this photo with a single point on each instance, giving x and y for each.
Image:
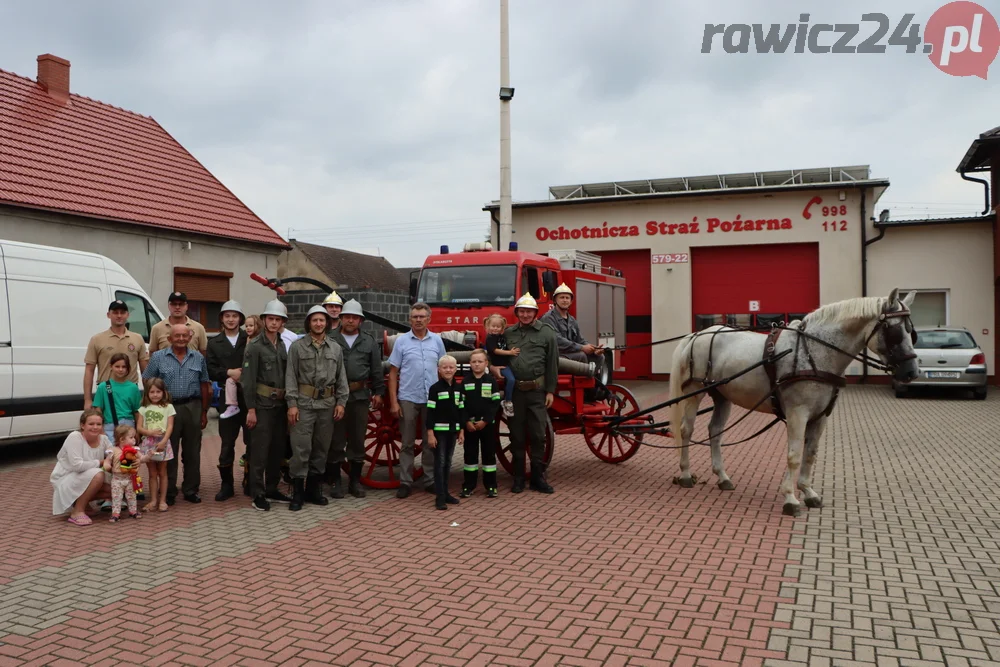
(52, 301)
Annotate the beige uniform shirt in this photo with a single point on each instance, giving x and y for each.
(107, 344)
(159, 336)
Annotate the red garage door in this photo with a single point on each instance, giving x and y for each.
(753, 285)
(635, 268)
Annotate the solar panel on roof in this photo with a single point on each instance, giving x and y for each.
(744, 180)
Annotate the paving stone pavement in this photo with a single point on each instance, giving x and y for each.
(902, 566)
(618, 567)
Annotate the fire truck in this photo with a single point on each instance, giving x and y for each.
(463, 288)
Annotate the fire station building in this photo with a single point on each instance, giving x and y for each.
(754, 248)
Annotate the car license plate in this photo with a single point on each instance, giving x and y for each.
(951, 375)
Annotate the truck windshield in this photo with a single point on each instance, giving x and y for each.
(456, 285)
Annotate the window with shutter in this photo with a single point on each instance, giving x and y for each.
(206, 291)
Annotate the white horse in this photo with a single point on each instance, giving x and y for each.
(807, 378)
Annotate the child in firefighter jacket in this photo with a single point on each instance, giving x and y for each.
(482, 397)
(445, 417)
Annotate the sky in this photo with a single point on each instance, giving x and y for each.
(374, 126)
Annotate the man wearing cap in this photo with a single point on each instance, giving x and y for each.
(225, 362)
(536, 370)
(316, 392)
(185, 374)
(333, 304)
(107, 344)
(572, 344)
(159, 335)
(413, 369)
(366, 382)
(263, 381)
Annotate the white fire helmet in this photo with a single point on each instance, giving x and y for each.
(233, 306)
(275, 307)
(352, 307)
(320, 310)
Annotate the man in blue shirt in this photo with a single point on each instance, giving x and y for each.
(413, 368)
(185, 373)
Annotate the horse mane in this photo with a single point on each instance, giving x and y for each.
(860, 308)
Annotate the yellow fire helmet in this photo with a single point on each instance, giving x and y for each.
(562, 289)
(526, 301)
(333, 298)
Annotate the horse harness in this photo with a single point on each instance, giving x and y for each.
(893, 338)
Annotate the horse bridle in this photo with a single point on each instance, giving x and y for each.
(894, 334)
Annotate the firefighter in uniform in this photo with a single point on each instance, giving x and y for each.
(263, 381)
(316, 393)
(333, 304)
(366, 382)
(536, 370)
(225, 361)
(482, 398)
(572, 344)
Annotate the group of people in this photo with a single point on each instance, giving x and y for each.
(305, 399)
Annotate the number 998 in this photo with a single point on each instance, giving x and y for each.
(835, 210)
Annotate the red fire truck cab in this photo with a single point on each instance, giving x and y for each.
(463, 288)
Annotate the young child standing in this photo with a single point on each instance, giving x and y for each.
(499, 356)
(445, 416)
(122, 473)
(156, 423)
(481, 398)
(119, 398)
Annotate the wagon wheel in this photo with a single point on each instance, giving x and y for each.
(612, 447)
(382, 445)
(504, 455)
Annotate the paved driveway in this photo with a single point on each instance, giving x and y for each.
(617, 567)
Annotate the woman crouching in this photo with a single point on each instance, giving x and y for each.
(79, 476)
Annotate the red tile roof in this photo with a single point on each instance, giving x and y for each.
(96, 160)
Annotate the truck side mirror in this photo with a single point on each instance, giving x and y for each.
(550, 281)
(413, 286)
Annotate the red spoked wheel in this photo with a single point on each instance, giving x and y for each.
(382, 444)
(606, 445)
(505, 456)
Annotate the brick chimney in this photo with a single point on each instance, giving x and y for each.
(53, 76)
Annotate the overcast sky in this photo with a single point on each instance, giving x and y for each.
(374, 126)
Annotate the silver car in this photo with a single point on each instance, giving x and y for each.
(948, 357)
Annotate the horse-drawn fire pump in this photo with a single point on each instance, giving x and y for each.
(463, 289)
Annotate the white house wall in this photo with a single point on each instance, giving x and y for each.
(955, 258)
(148, 254)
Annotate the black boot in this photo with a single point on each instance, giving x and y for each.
(336, 484)
(518, 460)
(226, 492)
(490, 482)
(354, 484)
(538, 482)
(298, 494)
(314, 490)
(469, 479)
